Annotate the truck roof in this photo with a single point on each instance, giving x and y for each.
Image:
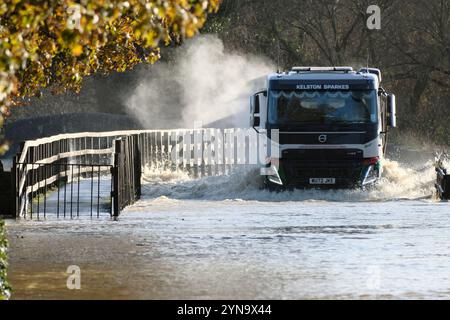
(368, 78)
(324, 75)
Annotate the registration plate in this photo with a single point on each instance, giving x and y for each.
(322, 181)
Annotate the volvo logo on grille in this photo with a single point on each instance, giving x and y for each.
(323, 138)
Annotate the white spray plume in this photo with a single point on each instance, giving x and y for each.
(204, 84)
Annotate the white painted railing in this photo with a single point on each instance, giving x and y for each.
(203, 151)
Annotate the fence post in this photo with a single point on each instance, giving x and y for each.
(14, 198)
(115, 176)
(137, 168)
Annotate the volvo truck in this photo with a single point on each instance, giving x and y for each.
(329, 124)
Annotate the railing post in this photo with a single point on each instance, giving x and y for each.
(137, 168)
(14, 188)
(115, 176)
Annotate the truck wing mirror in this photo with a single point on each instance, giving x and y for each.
(392, 109)
(256, 104)
(255, 109)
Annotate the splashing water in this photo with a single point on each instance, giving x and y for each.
(399, 181)
(205, 83)
(157, 174)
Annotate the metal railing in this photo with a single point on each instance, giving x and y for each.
(54, 165)
(66, 190)
(202, 151)
(126, 173)
(61, 162)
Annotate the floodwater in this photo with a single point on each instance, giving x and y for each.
(225, 238)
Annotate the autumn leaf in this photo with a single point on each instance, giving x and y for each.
(77, 50)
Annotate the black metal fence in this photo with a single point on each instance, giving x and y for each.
(127, 172)
(66, 190)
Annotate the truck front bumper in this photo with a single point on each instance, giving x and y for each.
(299, 171)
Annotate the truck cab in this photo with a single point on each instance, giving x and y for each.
(330, 126)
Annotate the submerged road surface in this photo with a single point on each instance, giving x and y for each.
(223, 237)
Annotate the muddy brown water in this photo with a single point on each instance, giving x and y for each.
(224, 238)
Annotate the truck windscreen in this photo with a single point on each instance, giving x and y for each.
(322, 107)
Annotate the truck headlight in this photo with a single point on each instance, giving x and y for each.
(273, 175)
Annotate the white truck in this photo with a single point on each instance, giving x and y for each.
(331, 124)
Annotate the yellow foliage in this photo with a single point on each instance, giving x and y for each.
(55, 43)
(77, 49)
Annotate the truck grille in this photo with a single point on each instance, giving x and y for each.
(301, 165)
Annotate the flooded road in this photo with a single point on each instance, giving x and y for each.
(224, 238)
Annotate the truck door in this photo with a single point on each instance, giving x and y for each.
(383, 115)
